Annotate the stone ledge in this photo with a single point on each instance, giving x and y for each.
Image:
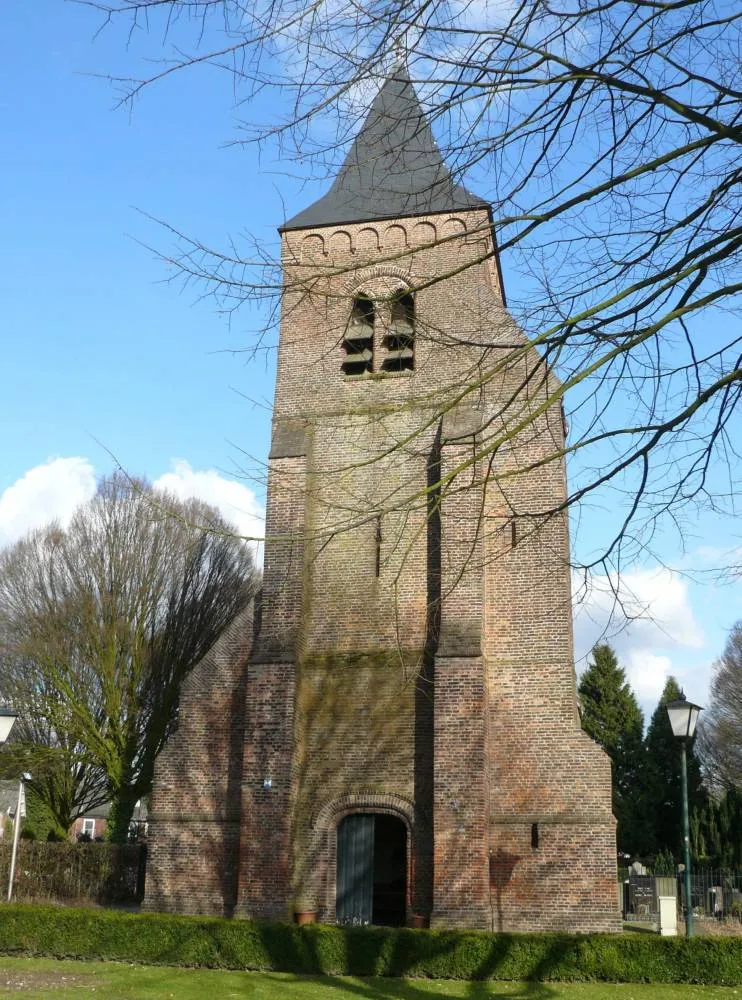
(188, 819)
(554, 819)
(460, 424)
(460, 643)
(272, 650)
(290, 440)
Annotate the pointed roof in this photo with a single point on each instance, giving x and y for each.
(394, 168)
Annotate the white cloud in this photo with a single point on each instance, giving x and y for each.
(647, 673)
(236, 502)
(647, 617)
(45, 493)
(52, 492)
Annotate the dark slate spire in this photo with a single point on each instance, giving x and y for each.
(393, 169)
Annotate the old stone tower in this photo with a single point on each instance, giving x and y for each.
(401, 736)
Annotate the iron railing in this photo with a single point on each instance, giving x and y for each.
(714, 893)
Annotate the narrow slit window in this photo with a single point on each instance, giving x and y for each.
(565, 422)
(358, 340)
(378, 545)
(534, 836)
(400, 340)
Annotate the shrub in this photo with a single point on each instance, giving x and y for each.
(240, 944)
(74, 873)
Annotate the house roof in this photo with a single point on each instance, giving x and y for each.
(103, 811)
(100, 811)
(8, 796)
(394, 168)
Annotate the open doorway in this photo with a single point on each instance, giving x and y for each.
(371, 870)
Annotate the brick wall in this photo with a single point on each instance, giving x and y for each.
(415, 650)
(193, 835)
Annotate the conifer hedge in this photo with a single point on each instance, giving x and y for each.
(366, 951)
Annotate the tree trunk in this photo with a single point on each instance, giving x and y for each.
(122, 810)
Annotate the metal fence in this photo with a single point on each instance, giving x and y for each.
(714, 893)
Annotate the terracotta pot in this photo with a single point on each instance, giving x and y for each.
(305, 916)
(418, 921)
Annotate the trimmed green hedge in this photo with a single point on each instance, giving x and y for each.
(153, 938)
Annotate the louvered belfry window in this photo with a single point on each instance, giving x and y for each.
(400, 338)
(358, 341)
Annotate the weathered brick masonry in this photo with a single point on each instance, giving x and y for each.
(193, 849)
(414, 657)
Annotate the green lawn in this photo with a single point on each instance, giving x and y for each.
(46, 978)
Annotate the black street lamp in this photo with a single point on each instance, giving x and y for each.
(8, 716)
(683, 718)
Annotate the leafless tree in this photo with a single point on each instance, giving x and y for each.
(99, 625)
(720, 732)
(606, 135)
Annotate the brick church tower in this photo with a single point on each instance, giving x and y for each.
(401, 735)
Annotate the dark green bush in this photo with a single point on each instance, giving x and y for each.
(241, 944)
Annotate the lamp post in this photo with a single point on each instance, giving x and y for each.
(7, 721)
(683, 717)
(20, 805)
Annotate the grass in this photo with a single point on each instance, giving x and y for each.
(48, 979)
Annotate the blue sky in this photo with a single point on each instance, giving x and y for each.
(105, 361)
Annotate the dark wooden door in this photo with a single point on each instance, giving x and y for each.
(355, 869)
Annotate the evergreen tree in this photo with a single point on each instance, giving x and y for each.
(661, 797)
(40, 823)
(721, 829)
(611, 715)
(713, 825)
(733, 833)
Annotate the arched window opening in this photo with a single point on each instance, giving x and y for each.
(358, 342)
(400, 340)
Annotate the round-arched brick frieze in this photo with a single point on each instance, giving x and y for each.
(395, 238)
(367, 240)
(423, 233)
(312, 248)
(453, 227)
(340, 242)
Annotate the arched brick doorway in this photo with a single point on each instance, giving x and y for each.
(371, 875)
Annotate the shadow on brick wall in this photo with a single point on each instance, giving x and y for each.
(195, 817)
